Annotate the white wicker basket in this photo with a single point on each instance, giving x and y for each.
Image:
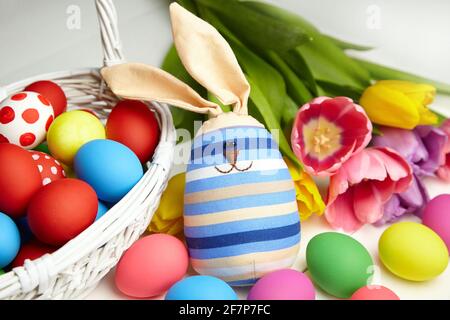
(76, 268)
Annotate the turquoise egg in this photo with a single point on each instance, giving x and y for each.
(9, 240)
(201, 288)
(102, 209)
(109, 167)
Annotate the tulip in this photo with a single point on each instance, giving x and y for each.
(363, 185)
(399, 104)
(168, 218)
(443, 172)
(309, 200)
(328, 131)
(423, 149)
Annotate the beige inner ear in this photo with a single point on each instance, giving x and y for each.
(143, 82)
(209, 59)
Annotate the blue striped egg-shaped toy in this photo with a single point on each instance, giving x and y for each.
(241, 219)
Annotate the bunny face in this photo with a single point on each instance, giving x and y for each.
(241, 217)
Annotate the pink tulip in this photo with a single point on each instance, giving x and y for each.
(443, 171)
(363, 185)
(328, 131)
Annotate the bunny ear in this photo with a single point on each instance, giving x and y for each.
(142, 82)
(209, 59)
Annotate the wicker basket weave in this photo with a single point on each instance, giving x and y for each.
(76, 268)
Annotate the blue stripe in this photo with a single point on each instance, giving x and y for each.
(244, 155)
(241, 225)
(234, 179)
(218, 147)
(231, 133)
(233, 239)
(245, 282)
(245, 248)
(251, 201)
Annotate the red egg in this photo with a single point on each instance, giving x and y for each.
(374, 292)
(52, 92)
(19, 179)
(61, 210)
(31, 251)
(49, 168)
(133, 124)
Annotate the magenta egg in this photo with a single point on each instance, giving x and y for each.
(436, 216)
(285, 284)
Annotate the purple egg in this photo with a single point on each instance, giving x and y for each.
(436, 216)
(285, 284)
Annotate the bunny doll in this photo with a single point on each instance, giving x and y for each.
(241, 218)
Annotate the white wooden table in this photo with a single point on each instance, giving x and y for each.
(39, 37)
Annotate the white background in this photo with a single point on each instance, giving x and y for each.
(410, 35)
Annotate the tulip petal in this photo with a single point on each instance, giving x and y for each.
(340, 214)
(367, 202)
(390, 107)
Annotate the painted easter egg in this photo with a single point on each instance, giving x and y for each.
(436, 216)
(151, 266)
(201, 288)
(31, 251)
(49, 168)
(70, 131)
(52, 92)
(9, 240)
(2, 272)
(43, 147)
(61, 210)
(19, 179)
(144, 135)
(285, 284)
(374, 292)
(102, 209)
(241, 219)
(338, 264)
(413, 251)
(111, 168)
(25, 118)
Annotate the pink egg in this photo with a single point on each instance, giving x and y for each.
(374, 292)
(151, 266)
(436, 216)
(285, 284)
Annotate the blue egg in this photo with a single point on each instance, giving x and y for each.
(111, 168)
(24, 229)
(201, 288)
(102, 209)
(9, 240)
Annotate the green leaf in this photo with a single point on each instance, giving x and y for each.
(379, 72)
(298, 64)
(329, 63)
(261, 104)
(255, 28)
(189, 5)
(267, 78)
(344, 45)
(213, 98)
(289, 114)
(334, 90)
(295, 87)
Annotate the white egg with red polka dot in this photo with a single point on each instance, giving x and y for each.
(24, 119)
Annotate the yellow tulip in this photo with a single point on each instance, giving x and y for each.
(309, 200)
(169, 216)
(399, 104)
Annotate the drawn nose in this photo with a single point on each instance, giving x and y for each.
(232, 155)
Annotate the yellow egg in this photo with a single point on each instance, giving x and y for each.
(413, 251)
(70, 131)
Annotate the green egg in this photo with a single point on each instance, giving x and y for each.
(338, 264)
(1, 272)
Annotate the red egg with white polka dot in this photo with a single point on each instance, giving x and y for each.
(24, 119)
(49, 168)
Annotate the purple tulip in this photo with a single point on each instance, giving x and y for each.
(423, 149)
